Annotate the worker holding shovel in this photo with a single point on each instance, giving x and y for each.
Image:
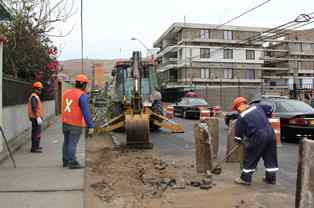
(253, 124)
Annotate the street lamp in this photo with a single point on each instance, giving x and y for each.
(134, 38)
(149, 51)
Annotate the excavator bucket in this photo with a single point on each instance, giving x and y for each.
(137, 130)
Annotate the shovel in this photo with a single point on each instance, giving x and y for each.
(217, 169)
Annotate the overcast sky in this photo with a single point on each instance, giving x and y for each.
(110, 24)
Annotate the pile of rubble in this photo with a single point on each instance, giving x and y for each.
(141, 175)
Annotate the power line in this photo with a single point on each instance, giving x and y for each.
(244, 13)
(82, 39)
(287, 27)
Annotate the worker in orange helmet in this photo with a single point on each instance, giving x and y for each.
(253, 124)
(35, 115)
(75, 116)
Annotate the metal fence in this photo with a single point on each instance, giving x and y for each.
(17, 92)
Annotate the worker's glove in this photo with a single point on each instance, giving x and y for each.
(90, 131)
(39, 120)
(238, 140)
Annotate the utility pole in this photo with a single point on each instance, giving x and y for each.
(191, 69)
(82, 39)
(295, 78)
(185, 48)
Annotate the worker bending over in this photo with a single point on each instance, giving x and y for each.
(75, 116)
(253, 124)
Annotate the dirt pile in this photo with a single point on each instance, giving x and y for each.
(137, 175)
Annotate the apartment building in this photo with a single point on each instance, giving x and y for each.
(199, 55)
(290, 61)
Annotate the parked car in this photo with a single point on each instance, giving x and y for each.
(296, 117)
(190, 107)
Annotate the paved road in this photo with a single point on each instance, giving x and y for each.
(182, 145)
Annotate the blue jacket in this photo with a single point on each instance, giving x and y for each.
(83, 102)
(251, 122)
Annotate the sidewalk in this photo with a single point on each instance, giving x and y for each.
(39, 181)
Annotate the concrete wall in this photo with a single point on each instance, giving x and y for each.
(17, 126)
(224, 96)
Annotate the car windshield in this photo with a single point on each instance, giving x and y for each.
(197, 101)
(292, 106)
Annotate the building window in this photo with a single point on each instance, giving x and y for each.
(227, 35)
(250, 55)
(249, 74)
(180, 53)
(204, 34)
(205, 53)
(228, 54)
(205, 73)
(228, 73)
(301, 83)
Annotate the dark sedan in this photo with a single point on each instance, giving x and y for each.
(190, 107)
(296, 117)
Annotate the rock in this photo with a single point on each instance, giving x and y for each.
(242, 202)
(205, 186)
(209, 174)
(195, 183)
(160, 167)
(165, 181)
(207, 181)
(149, 179)
(180, 183)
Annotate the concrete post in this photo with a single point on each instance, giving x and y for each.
(203, 148)
(213, 127)
(237, 156)
(305, 185)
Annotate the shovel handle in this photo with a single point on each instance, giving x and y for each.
(234, 148)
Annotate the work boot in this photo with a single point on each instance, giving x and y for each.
(74, 165)
(36, 151)
(272, 182)
(241, 181)
(270, 177)
(65, 163)
(40, 148)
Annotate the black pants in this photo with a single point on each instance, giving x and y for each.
(36, 134)
(262, 145)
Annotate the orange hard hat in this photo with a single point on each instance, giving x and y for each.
(237, 101)
(81, 78)
(38, 85)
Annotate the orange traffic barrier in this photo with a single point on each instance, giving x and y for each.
(169, 111)
(204, 115)
(275, 123)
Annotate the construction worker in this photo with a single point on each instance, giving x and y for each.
(253, 124)
(35, 115)
(75, 116)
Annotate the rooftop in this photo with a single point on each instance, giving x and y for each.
(177, 26)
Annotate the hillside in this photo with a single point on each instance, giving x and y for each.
(73, 66)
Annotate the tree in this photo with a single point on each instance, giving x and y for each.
(29, 53)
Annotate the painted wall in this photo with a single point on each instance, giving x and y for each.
(16, 122)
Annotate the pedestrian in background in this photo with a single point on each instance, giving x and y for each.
(35, 115)
(75, 116)
(253, 124)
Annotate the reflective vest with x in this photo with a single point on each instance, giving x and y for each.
(71, 111)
